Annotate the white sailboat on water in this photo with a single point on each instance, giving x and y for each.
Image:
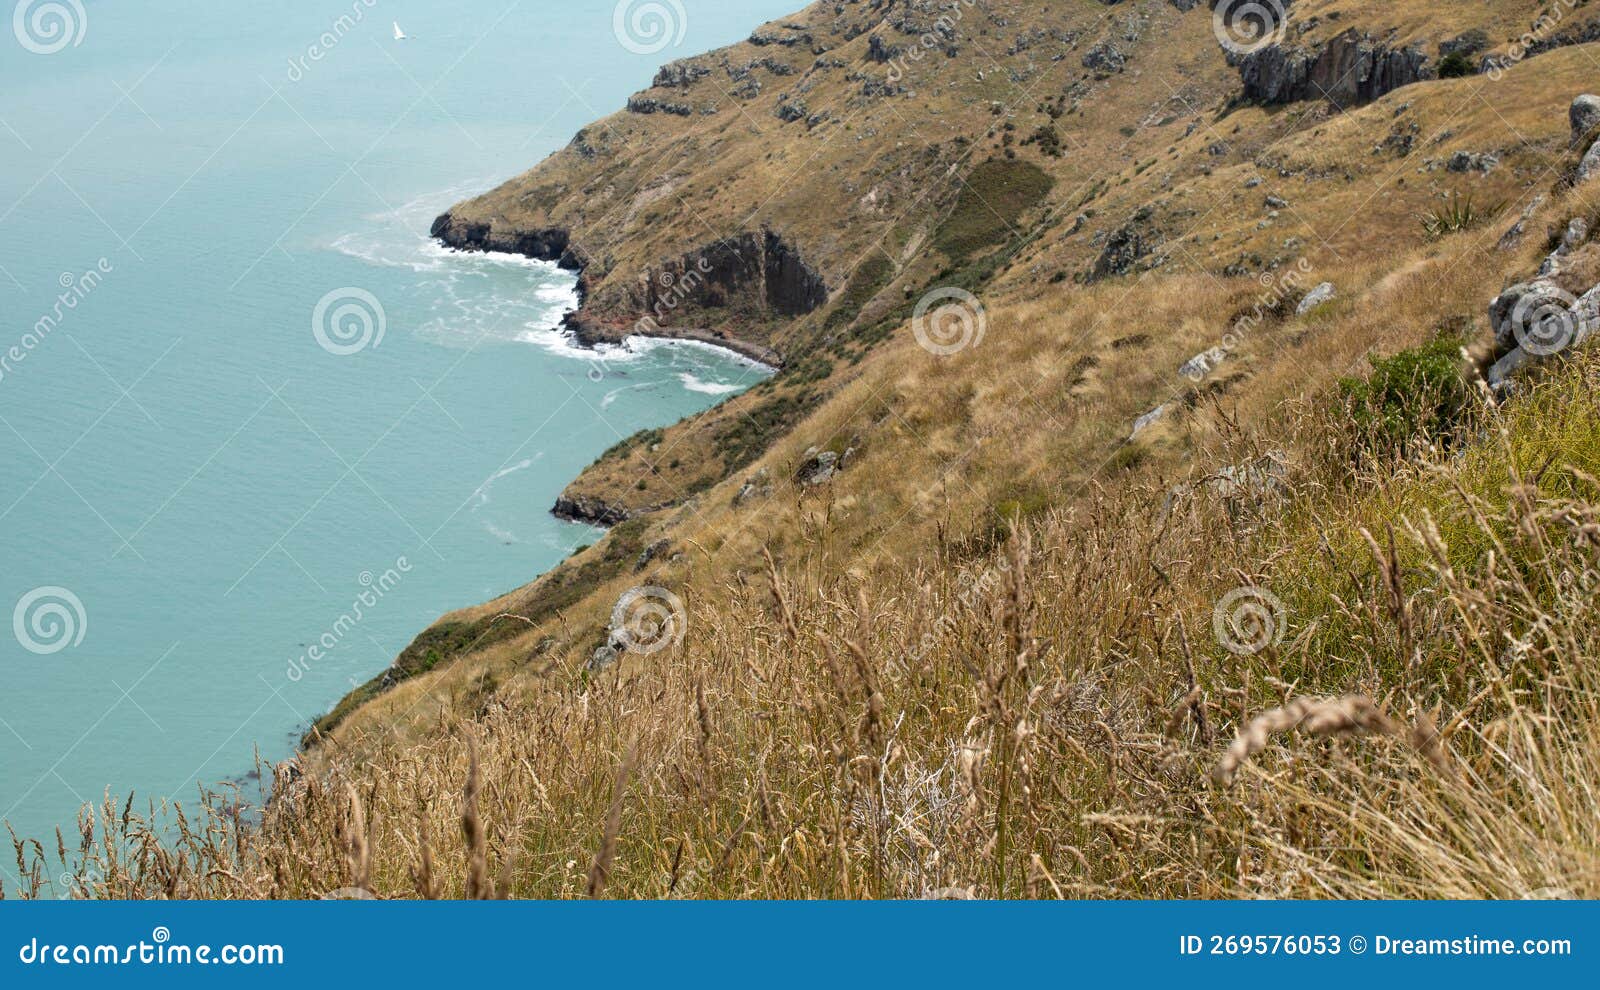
(399, 35)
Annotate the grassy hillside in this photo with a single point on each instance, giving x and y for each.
(993, 591)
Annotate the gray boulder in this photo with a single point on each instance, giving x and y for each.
(1584, 115)
(1316, 297)
(819, 466)
(1202, 364)
(1153, 416)
(1589, 167)
(1524, 297)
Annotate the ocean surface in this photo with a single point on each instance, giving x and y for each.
(241, 393)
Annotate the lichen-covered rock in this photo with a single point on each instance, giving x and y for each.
(679, 74)
(1584, 116)
(1574, 237)
(1316, 297)
(819, 466)
(649, 105)
(1509, 311)
(1126, 245)
(1589, 167)
(1105, 58)
(1468, 161)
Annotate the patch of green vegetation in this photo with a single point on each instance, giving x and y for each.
(810, 370)
(625, 446)
(744, 438)
(990, 205)
(865, 283)
(1417, 397)
(1458, 214)
(1455, 65)
(1128, 457)
(442, 643)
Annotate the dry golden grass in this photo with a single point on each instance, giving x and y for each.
(1041, 718)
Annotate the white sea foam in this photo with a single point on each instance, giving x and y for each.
(694, 384)
(503, 535)
(517, 299)
(481, 495)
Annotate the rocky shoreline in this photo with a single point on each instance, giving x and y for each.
(554, 244)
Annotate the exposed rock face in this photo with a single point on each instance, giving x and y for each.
(679, 74)
(1574, 237)
(1350, 69)
(758, 485)
(1126, 246)
(1466, 43)
(1589, 167)
(879, 52)
(1105, 58)
(1468, 161)
(818, 467)
(757, 271)
(649, 104)
(757, 267)
(1512, 238)
(588, 509)
(545, 244)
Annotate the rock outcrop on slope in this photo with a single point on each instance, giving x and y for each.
(1347, 70)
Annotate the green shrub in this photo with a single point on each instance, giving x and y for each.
(1415, 398)
(1455, 65)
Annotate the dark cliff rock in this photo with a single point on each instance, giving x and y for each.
(545, 244)
(679, 75)
(1348, 70)
(756, 269)
(649, 104)
(590, 509)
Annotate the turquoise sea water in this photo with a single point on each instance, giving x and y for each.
(206, 456)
